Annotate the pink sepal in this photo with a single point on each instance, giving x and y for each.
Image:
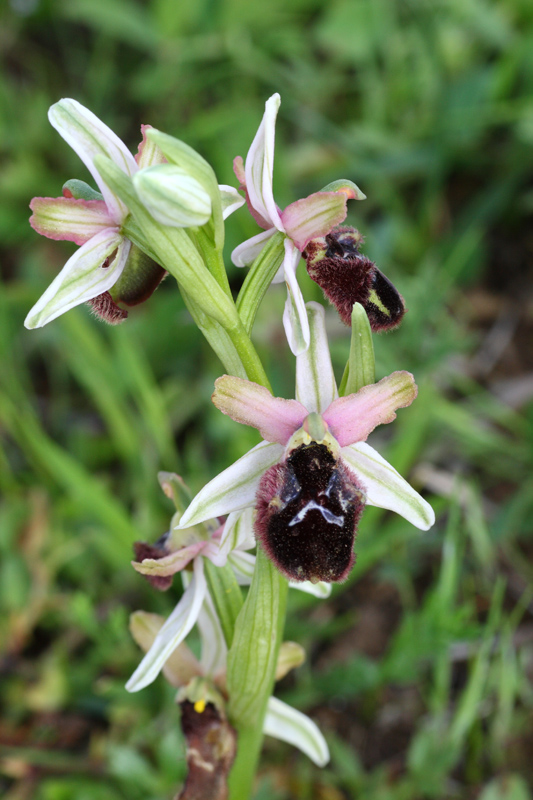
(250, 404)
(238, 169)
(313, 216)
(64, 218)
(148, 153)
(351, 419)
(169, 565)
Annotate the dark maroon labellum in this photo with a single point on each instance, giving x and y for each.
(157, 550)
(211, 750)
(141, 277)
(308, 508)
(139, 280)
(347, 277)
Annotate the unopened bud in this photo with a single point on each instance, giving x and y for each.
(172, 196)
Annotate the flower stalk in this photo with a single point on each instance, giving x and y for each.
(252, 663)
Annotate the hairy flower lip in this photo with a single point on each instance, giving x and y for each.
(347, 277)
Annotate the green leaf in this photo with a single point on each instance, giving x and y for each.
(361, 367)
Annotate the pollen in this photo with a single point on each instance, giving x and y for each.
(199, 706)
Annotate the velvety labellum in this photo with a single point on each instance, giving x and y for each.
(347, 277)
(211, 749)
(141, 277)
(384, 307)
(308, 508)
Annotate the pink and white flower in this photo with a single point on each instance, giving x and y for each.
(181, 668)
(94, 220)
(300, 221)
(94, 224)
(220, 543)
(316, 417)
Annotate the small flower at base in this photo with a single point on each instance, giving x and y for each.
(347, 277)
(211, 742)
(308, 508)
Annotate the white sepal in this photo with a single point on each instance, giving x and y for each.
(173, 631)
(385, 488)
(82, 278)
(243, 565)
(214, 651)
(259, 165)
(230, 199)
(235, 487)
(315, 380)
(295, 315)
(245, 253)
(88, 136)
(286, 723)
(238, 532)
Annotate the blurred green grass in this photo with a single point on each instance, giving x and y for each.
(419, 668)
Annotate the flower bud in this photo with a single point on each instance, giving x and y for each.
(172, 196)
(347, 277)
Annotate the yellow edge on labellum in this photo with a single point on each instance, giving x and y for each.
(374, 299)
(314, 429)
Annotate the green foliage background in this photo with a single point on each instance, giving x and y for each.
(419, 668)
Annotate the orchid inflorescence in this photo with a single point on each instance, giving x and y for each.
(295, 498)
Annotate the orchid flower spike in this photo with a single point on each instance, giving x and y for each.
(301, 221)
(313, 473)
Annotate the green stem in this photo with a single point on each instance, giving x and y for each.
(251, 672)
(259, 278)
(248, 354)
(213, 259)
(258, 628)
(227, 596)
(217, 337)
